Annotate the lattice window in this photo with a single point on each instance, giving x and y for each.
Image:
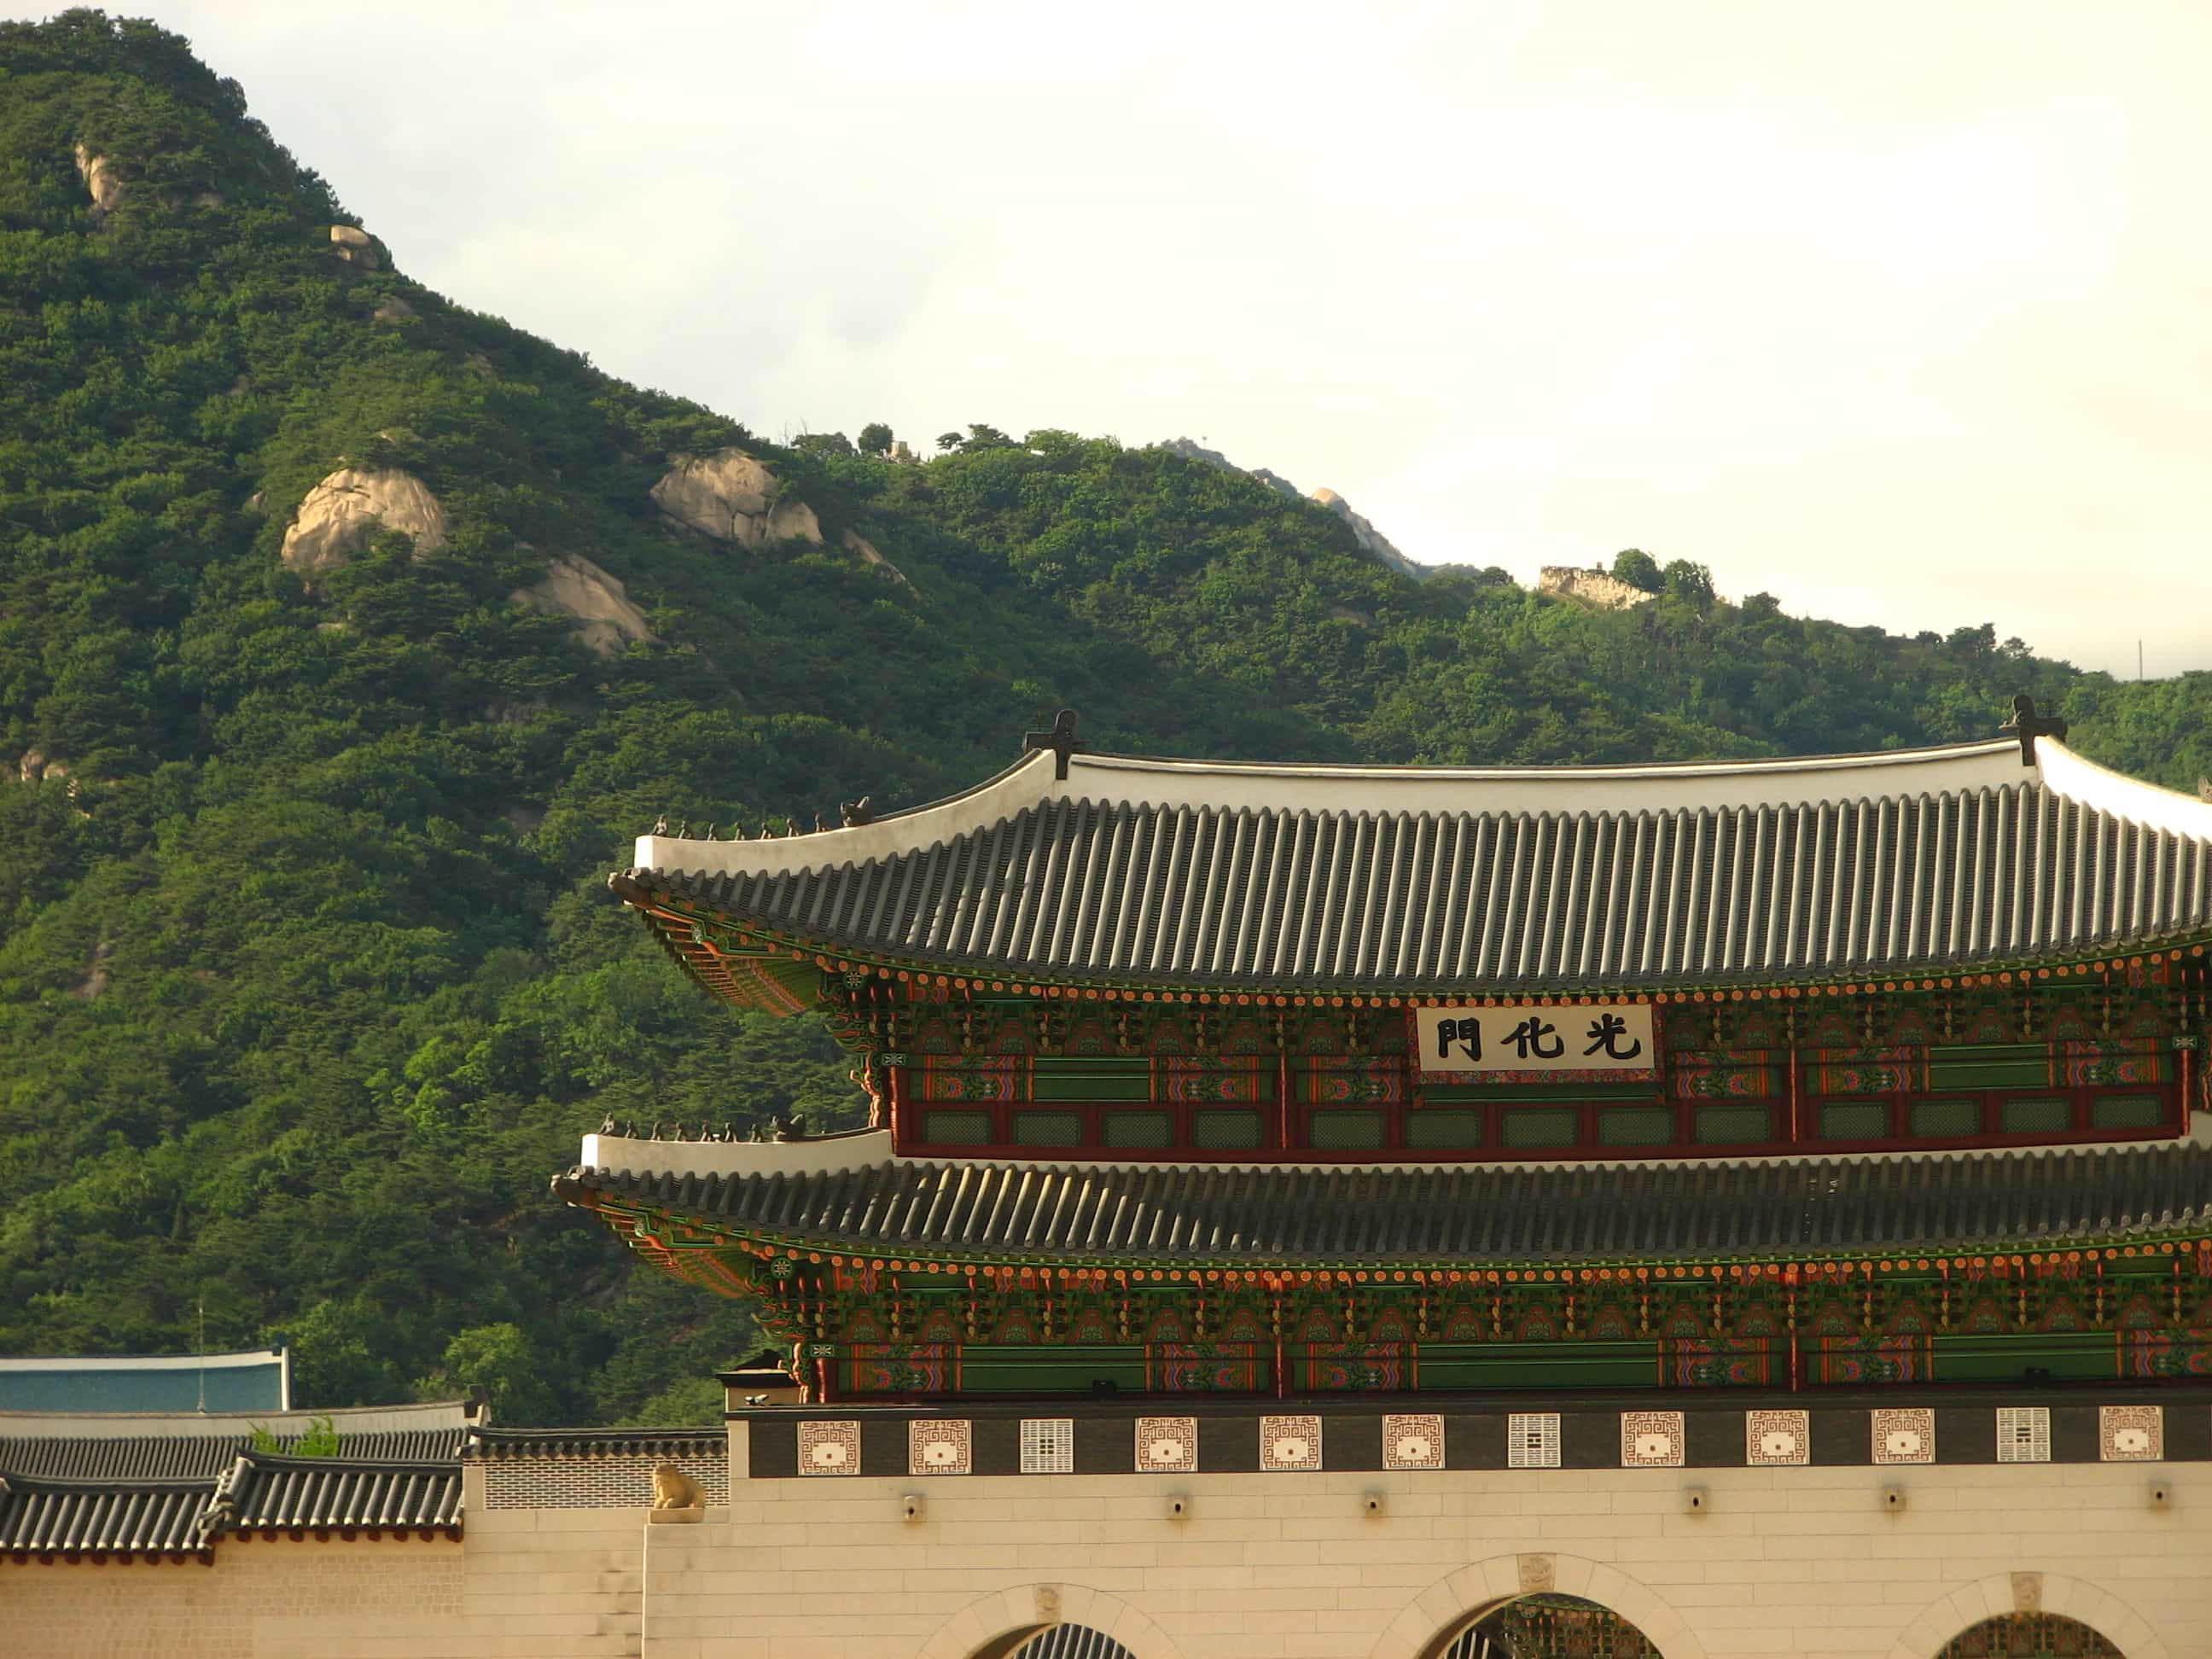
(1532, 1440)
(1549, 1625)
(2023, 1434)
(2029, 1635)
(1072, 1642)
(1048, 1445)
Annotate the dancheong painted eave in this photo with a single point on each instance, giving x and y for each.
(1721, 1210)
(1167, 874)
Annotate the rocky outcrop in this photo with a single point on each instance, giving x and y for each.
(33, 767)
(1196, 452)
(574, 587)
(90, 983)
(861, 548)
(393, 309)
(354, 244)
(1371, 541)
(100, 181)
(346, 508)
(731, 497)
(1595, 587)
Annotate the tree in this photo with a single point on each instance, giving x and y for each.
(949, 440)
(496, 1358)
(876, 439)
(1692, 583)
(1638, 569)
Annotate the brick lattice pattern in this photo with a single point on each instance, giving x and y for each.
(624, 1481)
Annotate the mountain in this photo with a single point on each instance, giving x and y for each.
(1370, 540)
(346, 635)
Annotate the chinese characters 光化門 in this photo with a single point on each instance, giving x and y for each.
(1524, 1038)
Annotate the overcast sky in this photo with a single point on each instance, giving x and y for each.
(1901, 312)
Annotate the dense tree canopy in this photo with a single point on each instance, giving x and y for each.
(308, 978)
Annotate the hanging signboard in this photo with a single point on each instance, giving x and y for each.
(1524, 1037)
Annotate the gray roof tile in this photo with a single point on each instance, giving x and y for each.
(1458, 1214)
(1968, 868)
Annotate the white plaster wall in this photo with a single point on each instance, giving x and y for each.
(1266, 1567)
(1290, 1566)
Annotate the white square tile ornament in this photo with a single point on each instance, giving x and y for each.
(831, 1448)
(1289, 1443)
(1904, 1435)
(1415, 1441)
(1167, 1445)
(2131, 1434)
(2023, 1434)
(939, 1446)
(1532, 1440)
(1651, 1440)
(1048, 1445)
(1772, 1439)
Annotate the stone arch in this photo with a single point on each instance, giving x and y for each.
(1449, 1603)
(1013, 1615)
(1948, 1617)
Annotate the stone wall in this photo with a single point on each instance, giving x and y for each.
(1261, 1565)
(1595, 587)
(365, 1599)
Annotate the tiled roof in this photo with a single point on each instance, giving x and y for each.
(1176, 873)
(507, 1445)
(180, 1492)
(74, 1517)
(1688, 1211)
(330, 1494)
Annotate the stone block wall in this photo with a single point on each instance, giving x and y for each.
(365, 1599)
(1261, 1564)
(1275, 1565)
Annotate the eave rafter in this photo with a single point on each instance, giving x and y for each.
(748, 965)
(681, 1245)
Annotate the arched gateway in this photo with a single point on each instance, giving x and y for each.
(1549, 1626)
(1056, 1641)
(2030, 1636)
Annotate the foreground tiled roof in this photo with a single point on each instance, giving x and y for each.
(1168, 872)
(65, 1495)
(83, 1518)
(265, 1493)
(1689, 1211)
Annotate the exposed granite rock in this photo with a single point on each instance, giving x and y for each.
(393, 309)
(1601, 588)
(1196, 452)
(861, 548)
(732, 497)
(346, 508)
(100, 181)
(1371, 541)
(574, 587)
(354, 244)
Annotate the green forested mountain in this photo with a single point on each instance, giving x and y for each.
(308, 977)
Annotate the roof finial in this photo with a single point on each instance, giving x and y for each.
(1060, 737)
(2028, 726)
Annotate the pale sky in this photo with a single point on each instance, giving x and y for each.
(1901, 312)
